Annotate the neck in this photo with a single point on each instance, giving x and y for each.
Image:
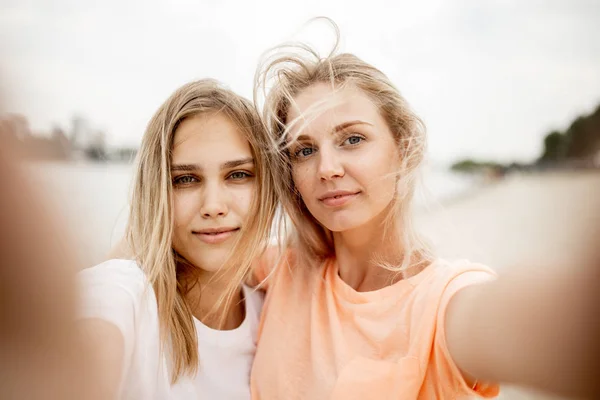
(358, 250)
(207, 302)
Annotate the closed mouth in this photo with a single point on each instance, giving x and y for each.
(215, 236)
(338, 198)
(337, 195)
(215, 231)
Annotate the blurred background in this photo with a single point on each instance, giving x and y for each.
(509, 91)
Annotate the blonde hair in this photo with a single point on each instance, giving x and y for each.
(283, 74)
(149, 231)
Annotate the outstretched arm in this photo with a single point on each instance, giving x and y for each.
(532, 327)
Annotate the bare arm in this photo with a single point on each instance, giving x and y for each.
(530, 327)
(107, 350)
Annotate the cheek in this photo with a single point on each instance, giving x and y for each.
(185, 207)
(242, 200)
(378, 177)
(377, 164)
(303, 176)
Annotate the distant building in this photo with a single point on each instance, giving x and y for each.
(54, 147)
(96, 147)
(80, 132)
(82, 143)
(16, 125)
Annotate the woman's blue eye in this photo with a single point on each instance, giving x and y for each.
(304, 152)
(352, 140)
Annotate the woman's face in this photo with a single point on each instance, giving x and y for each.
(213, 186)
(344, 162)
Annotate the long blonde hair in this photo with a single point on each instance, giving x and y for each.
(287, 70)
(150, 227)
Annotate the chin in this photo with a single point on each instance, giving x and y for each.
(341, 226)
(210, 264)
(342, 223)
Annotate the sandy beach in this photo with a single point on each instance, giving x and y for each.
(521, 221)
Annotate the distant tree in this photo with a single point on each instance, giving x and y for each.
(468, 165)
(584, 136)
(464, 166)
(555, 147)
(580, 143)
(581, 140)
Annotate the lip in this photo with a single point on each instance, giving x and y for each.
(338, 198)
(215, 235)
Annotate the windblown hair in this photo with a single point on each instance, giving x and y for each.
(289, 69)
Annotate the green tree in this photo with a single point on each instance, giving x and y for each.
(555, 147)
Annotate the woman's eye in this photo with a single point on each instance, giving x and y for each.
(353, 140)
(184, 180)
(304, 152)
(238, 175)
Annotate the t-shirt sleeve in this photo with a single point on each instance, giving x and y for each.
(446, 369)
(112, 291)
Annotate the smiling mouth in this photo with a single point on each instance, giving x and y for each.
(215, 236)
(337, 200)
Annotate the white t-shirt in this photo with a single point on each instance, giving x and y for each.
(117, 291)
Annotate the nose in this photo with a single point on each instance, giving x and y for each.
(330, 165)
(214, 202)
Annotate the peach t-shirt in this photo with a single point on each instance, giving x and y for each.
(321, 339)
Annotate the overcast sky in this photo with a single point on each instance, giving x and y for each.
(490, 78)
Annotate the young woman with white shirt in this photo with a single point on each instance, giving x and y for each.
(174, 321)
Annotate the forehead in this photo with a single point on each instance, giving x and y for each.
(331, 107)
(208, 138)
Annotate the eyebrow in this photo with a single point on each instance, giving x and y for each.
(225, 165)
(341, 127)
(237, 163)
(348, 124)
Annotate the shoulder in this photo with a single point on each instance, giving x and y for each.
(445, 280)
(119, 269)
(449, 278)
(444, 273)
(116, 291)
(272, 260)
(439, 282)
(116, 274)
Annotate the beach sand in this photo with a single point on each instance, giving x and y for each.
(523, 220)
